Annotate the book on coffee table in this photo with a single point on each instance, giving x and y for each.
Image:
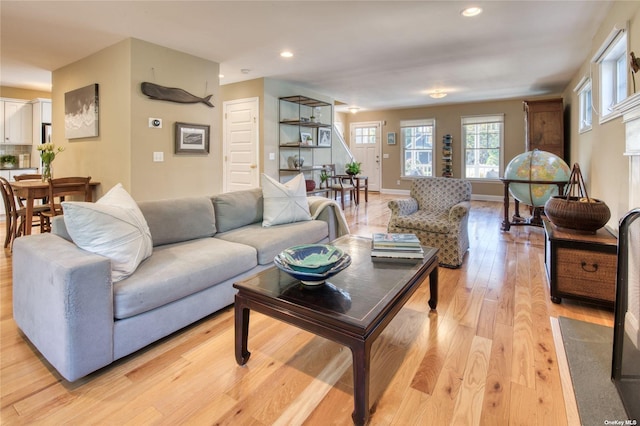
(396, 246)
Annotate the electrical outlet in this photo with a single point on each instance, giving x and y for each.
(398, 182)
(155, 123)
(272, 156)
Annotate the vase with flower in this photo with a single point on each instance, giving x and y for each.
(48, 153)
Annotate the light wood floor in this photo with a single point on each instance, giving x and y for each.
(487, 357)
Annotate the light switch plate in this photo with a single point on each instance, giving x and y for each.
(158, 157)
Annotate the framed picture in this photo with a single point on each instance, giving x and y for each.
(192, 138)
(305, 138)
(324, 136)
(391, 138)
(81, 117)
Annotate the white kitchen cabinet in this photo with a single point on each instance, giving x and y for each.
(41, 115)
(17, 126)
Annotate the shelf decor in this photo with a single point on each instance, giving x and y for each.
(447, 154)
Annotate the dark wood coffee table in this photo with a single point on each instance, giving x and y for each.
(352, 308)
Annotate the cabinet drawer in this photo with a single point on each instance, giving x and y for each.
(587, 273)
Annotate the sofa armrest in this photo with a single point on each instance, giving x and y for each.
(458, 212)
(403, 207)
(63, 303)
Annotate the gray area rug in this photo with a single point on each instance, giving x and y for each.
(589, 350)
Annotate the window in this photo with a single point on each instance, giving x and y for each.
(417, 147)
(482, 146)
(612, 65)
(583, 89)
(365, 135)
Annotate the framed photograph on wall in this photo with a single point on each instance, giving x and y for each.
(81, 119)
(391, 138)
(192, 138)
(324, 136)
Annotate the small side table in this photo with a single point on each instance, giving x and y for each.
(579, 265)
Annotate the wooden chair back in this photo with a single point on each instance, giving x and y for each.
(28, 176)
(60, 188)
(11, 212)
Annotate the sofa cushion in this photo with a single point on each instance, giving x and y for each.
(113, 227)
(183, 219)
(272, 240)
(284, 203)
(178, 270)
(236, 209)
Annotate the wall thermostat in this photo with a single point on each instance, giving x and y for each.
(155, 123)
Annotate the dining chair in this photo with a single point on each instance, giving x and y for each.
(59, 189)
(339, 183)
(14, 216)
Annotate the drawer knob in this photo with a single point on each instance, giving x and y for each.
(587, 268)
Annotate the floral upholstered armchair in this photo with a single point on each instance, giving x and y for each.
(438, 213)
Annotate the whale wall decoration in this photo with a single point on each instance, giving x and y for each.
(172, 94)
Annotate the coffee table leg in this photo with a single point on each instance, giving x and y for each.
(361, 352)
(241, 331)
(433, 287)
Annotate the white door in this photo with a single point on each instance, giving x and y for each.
(240, 127)
(366, 147)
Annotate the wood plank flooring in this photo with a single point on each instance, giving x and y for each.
(487, 357)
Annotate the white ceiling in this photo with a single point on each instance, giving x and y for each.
(373, 54)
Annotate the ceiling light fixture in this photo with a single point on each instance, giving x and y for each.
(354, 109)
(286, 54)
(245, 70)
(471, 11)
(437, 94)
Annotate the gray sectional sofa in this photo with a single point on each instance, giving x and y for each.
(66, 304)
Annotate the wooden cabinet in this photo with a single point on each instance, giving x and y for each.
(544, 126)
(579, 265)
(305, 136)
(17, 119)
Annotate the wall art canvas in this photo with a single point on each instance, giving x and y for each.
(192, 138)
(81, 112)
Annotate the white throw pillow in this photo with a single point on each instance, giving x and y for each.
(284, 203)
(113, 227)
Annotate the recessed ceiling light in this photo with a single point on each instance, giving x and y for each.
(245, 70)
(471, 11)
(437, 94)
(286, 54)
(354, 109)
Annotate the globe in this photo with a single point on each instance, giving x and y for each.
(536, 165)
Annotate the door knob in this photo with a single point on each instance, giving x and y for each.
(253, 166)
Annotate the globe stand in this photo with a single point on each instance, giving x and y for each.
(536, 218)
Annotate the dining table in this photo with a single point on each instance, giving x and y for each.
(32, 190)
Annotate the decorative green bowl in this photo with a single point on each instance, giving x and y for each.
(311, 258)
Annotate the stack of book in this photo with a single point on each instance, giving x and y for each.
(396, 247)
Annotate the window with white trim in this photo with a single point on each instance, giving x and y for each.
(417, 147)
(585, 107)
(611, 59)
(483, 140)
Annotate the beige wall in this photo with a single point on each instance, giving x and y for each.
(447, 119)
(600, 151)
(123, 151)
(17, 93)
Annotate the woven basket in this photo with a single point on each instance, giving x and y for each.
(578, 212)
